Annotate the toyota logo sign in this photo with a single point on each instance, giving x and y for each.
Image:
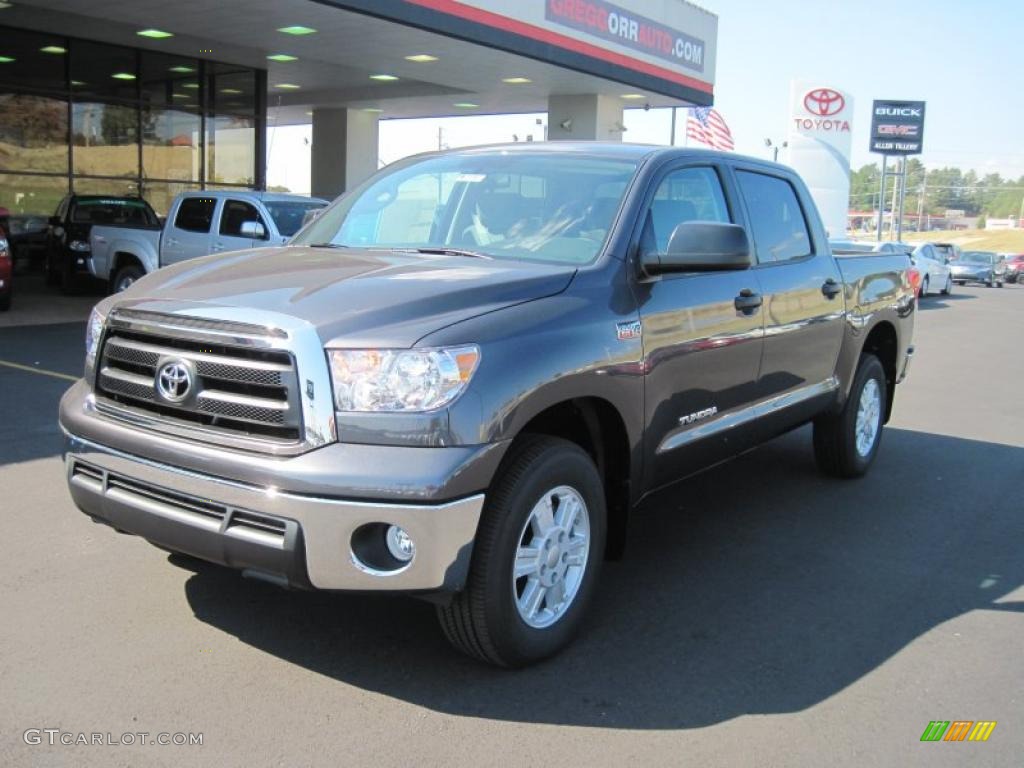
(824, 102)
(174, 381)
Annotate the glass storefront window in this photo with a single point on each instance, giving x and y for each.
(33, 133)
(160, 194)
(106, 139)
(31, 196)
(104, 70)
(169, 81)
(232, 90)
(31, 60)
(171, 141)
(230, 150)
(112, 187)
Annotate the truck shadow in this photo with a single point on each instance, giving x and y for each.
(757, 588)
(938, 301)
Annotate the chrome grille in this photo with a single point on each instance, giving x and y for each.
(236, 390)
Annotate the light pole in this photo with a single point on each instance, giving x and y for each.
(775, 148)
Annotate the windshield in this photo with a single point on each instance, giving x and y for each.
(290, 216)
(555, 208)
(946, 250)
(118, 212)
(977, 257)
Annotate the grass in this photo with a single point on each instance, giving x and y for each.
(998, 240)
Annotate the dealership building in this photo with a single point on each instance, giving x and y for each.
(154, 98)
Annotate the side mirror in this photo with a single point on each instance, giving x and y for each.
(253, 230)
(702, 246)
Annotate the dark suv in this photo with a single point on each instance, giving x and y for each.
(68, 249)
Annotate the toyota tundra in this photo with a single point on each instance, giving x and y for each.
(459, 380)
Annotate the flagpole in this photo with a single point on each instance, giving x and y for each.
(672, 139)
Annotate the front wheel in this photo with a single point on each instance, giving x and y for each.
(536, 558)
(949, 287)
(125, 276)
(845, 443)
(924, 287)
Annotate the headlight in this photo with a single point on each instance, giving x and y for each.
(93, 332)
(400, 380)
(80, 246)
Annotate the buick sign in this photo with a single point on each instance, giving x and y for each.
(897, 127)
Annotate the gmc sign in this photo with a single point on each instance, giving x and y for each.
(897, 127)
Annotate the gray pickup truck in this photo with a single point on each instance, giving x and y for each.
(459, 380)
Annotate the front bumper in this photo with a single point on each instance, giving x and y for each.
(972, 277)
(289, 538)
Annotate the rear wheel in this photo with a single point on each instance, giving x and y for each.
(949, 287)
(536, 558)
(924, 287)
(845, 443)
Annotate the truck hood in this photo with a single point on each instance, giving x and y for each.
(353, 297)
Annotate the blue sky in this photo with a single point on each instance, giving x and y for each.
(965, 60)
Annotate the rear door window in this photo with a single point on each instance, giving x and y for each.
(776, 217)
(689, 194)
(195, 214)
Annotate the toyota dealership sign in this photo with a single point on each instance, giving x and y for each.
(897, 127)
(819, 146)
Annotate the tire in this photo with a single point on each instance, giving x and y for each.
(836, 448)
(991, 282)
(125, 276)
(924, 287)
(70, 282)
(5, 301)
(485, 621)
(949, 287)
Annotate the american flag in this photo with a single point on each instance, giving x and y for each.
(707, 126)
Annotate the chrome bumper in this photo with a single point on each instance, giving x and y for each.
(295, 538)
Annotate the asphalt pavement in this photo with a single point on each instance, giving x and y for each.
(763, 614)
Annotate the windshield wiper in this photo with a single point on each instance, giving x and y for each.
(327, 245)
(442, 251)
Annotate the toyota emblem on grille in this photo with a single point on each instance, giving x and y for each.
(174, 381)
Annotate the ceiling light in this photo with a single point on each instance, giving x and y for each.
(516, 80)
(231, 91)
(181, 69)
(288, 86)
(310, 114)
(632, 96)
(384, 78)
(373, 110)
(296, 30)
(421, 58)
(465, 105)
(77, 82)
(282, 57)
(192, 86)
(6, 59)
(4, 4)
(123, 76)
(180, 96)
(156, 34)
(53, 49)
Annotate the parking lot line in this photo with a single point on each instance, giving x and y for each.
(43, 371)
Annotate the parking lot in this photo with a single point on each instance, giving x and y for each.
(762, 615)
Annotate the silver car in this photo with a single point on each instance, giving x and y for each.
(979, 267)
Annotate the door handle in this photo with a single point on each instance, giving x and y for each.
(748, 301)
(217, 247)
(831, 288)
(170, 241)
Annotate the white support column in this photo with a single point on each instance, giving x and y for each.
(345, 150)
(584, 118)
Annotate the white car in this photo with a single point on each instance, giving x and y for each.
(936, 276)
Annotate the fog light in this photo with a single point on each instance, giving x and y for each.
(400, 544)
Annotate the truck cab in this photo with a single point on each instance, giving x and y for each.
(198, 224)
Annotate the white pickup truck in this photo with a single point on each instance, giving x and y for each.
(199, 223)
